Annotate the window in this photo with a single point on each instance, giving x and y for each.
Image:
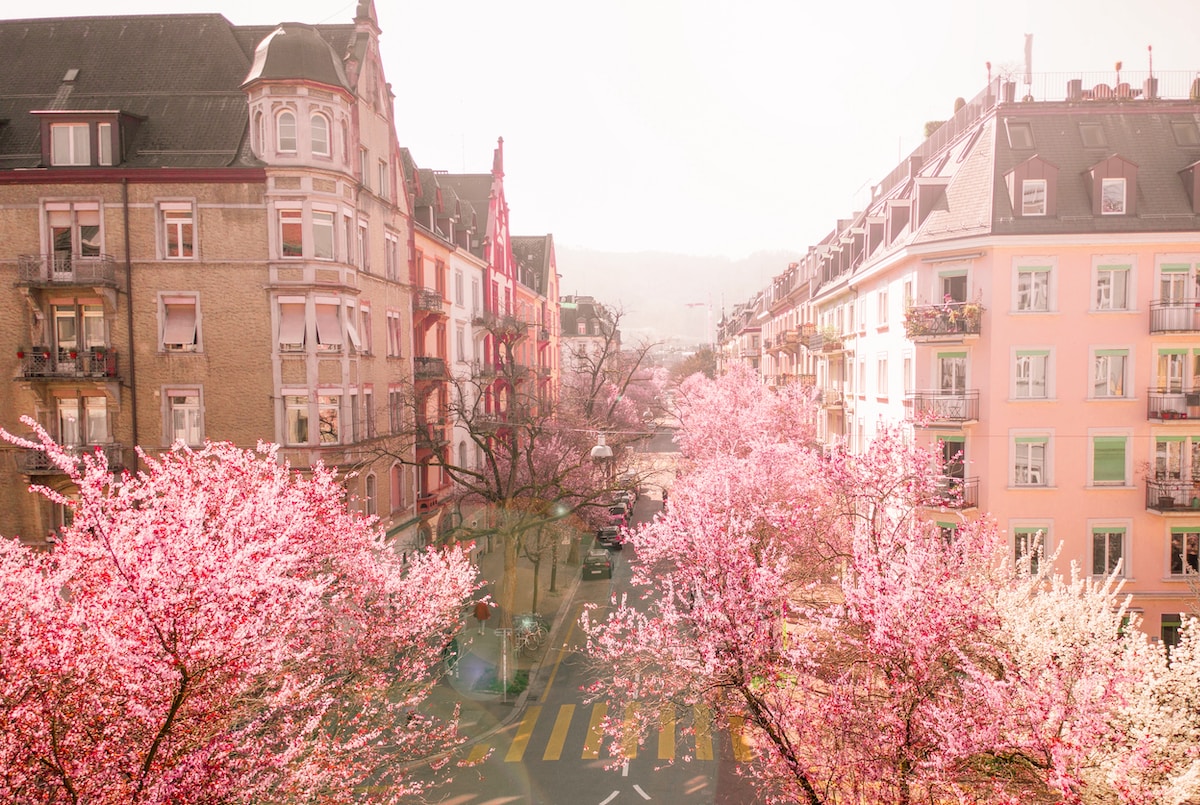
(476, 297)
(1108, 460)
(285, 132)
(1108, 373)
(1029, 545)
(183, 417)
(104, 143)
(95, 420)
(364, 162)
(1029, 374)
(1171, 624)
(364, 251)
(355, 417)
(369, 495)
(179, 324)
(70, 144)
(397, 485)
(322, 226)
(348, 229)
(1093, 135)
(458, 287)
(369, 411)
(881, 375)
(70, 430)
(292, 329)
(908, 373)
(178, 224)
(883, 308)
(1020, 134)
(92, 318)
(1029, 461)
(1168, 458)
(383, 178)
(1112, 288)
(291, 233)
(320, 135)
(74, 231)
(396, 410)
(364, 330)
(460, 343)
(82, 421)
(390, 243)
(954, 286)
(952, 372)
(329, 326)
(1112, 196)
(1108, 548)
(296, 418)
(394, 332)
(1185, 550)
(1033, 288)
(1033, 197)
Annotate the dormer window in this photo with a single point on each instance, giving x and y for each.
(70, 144)
(1113, 186)
(1033, 197)
(285, 132)
(1112, 196)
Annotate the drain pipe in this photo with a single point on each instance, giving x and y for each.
(129, 321)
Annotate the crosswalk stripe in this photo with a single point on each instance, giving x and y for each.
(516, 752)
(703, 730)
(666, 733)
(595, 734)
(558, 736)
(478, 751)
(737, 731)
(629, 736)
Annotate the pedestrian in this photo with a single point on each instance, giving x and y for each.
(482, 613)
(664, 497)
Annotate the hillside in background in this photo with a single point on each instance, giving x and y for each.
(667, 296)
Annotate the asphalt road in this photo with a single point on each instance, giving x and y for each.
(551, 753)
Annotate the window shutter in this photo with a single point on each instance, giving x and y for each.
(1108, 458)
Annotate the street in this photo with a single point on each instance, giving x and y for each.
(551, 753)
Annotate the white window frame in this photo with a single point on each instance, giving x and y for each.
(194, 413)
(1186, 539)
(324, 221)
(179, 322)
(73, 147)
(293, 323)
(1110, 206)
(364, 329)
(104, 143)
(290, 217)
(1102, 357)
(327, 313)
(364, 246)
(1029, 355)
(1102, 300)
(178, 217)
(1022, 534)
(297, 418)
(1033, 197)
(459, 299)
(1021, 444)
(285, 140)
(325, 129)
(1041, 288)
(1109, 527)
(881, 374)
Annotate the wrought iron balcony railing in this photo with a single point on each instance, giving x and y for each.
(66, 269)
(945, 406)
(1175, 316)
(429, 300)
(36, 462)
(1166, 495)
(429, 368)
(49, 364)
(957, 493)
(949, 320)
(1165, 404)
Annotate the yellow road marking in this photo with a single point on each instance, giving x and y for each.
(703, 730)
(629, 738)
(595, 736)
(558, 736)
(666, 732)
(478, 752)
(741, 750)
(563, 651)
(517, 751)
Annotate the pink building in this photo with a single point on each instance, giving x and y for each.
(1023, 292)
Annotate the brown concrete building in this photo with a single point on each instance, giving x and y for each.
(204, 234)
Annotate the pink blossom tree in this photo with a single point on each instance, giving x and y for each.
(218, 629)
(805, 601)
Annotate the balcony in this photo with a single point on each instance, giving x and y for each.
(808, 381)
(427, 300)
(957, 493)
(1170, 404)
(951, 321)
(1175, 316)
(40, 363)
(825, 340)
(941, 407)
(429, 368)
(40, 270)
(1172, 495)
(426, 502)
(831, 398)
(431, 435)
(36, 462)
(543, 336)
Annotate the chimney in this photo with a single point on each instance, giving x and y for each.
(914, 165)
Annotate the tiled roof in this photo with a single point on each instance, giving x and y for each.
(533, 260)
(181, 73)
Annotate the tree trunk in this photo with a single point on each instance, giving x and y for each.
(508, 587)
(537, 564)
(554, 564)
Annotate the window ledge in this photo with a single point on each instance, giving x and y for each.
(1110, 487)
(1032, 399)
(1034, 312)
(1031, 488)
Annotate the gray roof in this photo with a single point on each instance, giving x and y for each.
(297, 51)
(532, 254)
(180, 74)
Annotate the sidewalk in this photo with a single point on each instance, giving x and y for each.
(473, 684)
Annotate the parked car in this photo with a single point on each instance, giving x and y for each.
(611, 536)
(618, 515)
(597, 564)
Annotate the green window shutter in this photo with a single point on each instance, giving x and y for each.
(1185, 529)
(1112, 268)
(1174, 268)
(1033, 269)
(1033, 353)
(942, 355)
(1121, 352)
(1171, 351)
(1169, 438)
(953, 439)
(1031, 439)
(1108, 458)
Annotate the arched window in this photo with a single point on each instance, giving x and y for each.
(320, 135)
(285, 132)
(397, 496)
(462, 453)
(369, 494)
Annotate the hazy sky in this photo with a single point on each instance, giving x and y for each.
(702, 127)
